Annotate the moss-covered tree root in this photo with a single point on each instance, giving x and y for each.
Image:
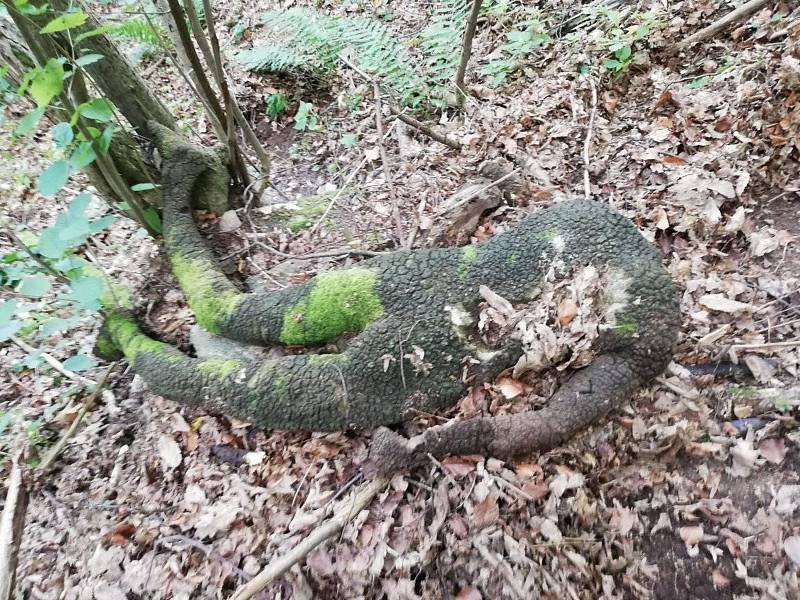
(413, 313)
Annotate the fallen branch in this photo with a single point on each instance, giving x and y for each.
(438, 137)
(54, 452)
(11, 523)
(56, 364)
(587, 185)
(387, 170)
(466, 51)
(744, 11)
(324, 254)
(429, 131)
(767, 346)
(348, 509)
(347, 182)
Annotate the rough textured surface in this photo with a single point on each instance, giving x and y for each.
(398, 302)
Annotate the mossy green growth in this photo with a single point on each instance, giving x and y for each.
(340, 302)
(219, 367)
(468, 256)
(326, 359)
(626, 327)
(210, 306)
(280, 389)
(127, 336)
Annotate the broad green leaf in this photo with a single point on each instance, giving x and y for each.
(97, 109)
(35, 286)
(8, 325)
(86, 291)
(152, 219)
(76, 228)
(79, 362)
(53, 178)
(62, 135)
(56, 326)
(99, 31)
(7, 310)
(349, 140)
(102, 223)
(50, 244)
(47, 81)
(143, 187)
(82, 156)
(88, 59)
(29, 122)
(79, 204)
(65, 22)
(105, 140)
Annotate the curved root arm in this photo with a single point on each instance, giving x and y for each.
(589, 395)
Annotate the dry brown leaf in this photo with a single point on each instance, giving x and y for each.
(169, 452)
(691, 535)
(773, 449)
(485, 512)
(567, 310)
(510, 388)
(721, 303)
(469, 593)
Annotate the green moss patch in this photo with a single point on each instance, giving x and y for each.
(210, 305)
(468, 256)
(133, 343)
(340, 302)
(219, 367)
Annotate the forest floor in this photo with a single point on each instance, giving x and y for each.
(690, 490)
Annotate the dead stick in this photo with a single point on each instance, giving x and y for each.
(348, 509)
(437, 137)
(53, 362)
(387, 170)
(13, 518)
(744, 11)
(52, 455)
(587, 186)
(466, 51)
(434, 135)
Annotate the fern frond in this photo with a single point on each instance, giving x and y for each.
(304, 40)
(139, 30)
(441, 40)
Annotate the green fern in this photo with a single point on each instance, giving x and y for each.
(139, 30)
(304, 40)
(440, 40)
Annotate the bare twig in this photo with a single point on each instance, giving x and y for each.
(587, 186)
(427, 130)
(54, 363)
(11, 527)
(348, 509)
(466, 51)
(744, 11)
(438, 137)
(205, 549)
(54, 452)
(768, 346)
(14, 238)
(387, 170)
(345, 185)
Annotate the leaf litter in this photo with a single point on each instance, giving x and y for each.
(690, 490)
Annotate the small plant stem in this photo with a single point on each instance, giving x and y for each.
(11, 529)
(348, 509)
(55, 451)
(587, 142)
(56, 364)
(387, 170)
(466, 51)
